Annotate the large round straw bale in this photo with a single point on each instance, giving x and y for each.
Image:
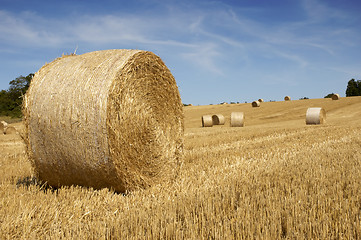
(287, 98)
(110, 118)
(335, 96)
(256, 104)
(315, 115)
(237, 119)
(260, 100)
(207, 121)
(218, 119)
(10, 130)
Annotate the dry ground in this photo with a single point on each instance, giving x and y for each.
(275, 178)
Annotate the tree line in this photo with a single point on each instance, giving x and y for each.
(353, 88)
(11, 99)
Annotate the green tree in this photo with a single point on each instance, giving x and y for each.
(353, 88)
(4, 102)
(21, 84)
(11, 100)
(329, 95)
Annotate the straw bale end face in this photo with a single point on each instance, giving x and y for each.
(218, 119)
(315, 116)
(151, 121)
(335, 96)
(287, 98)
(110, 118)
(9, 130)
(256, 104)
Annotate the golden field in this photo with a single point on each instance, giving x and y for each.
(274, 178)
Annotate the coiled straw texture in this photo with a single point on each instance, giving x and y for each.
(218, 119)
(111, 118)
(9, 130)
(335, 96)
(256, 104)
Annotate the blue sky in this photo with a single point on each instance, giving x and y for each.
(217, 50)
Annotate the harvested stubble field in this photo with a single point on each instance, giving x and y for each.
(275, 178)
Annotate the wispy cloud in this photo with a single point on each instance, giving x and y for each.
(182, 30)
(351, 70)
(318, 12)
(217, 39)
(33, 30)
(14, 29)
(27, 30)
(205, 55)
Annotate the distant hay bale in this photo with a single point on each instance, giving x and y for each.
(260, 100)
(237, 119)
(10, 130)
(2, 128)
(218, 119)
(207, 121)
(315, 115)
(256, 104)
(287, 98)
(335, 96)
(111, 118)
(5, 124)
